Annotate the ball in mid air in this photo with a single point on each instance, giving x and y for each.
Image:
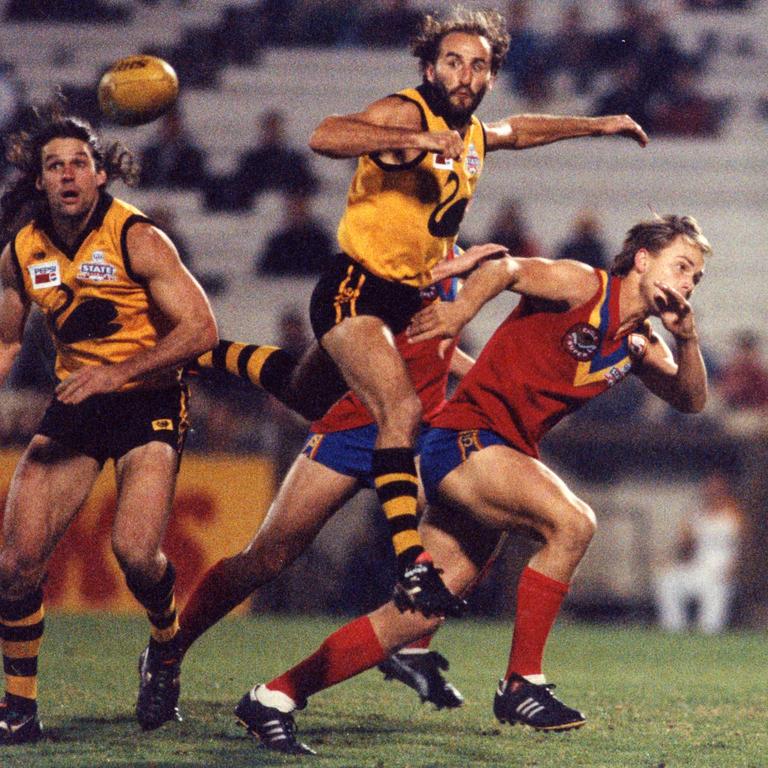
(137, 89)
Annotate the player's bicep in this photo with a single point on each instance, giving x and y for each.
(391, 111)
(155, 260)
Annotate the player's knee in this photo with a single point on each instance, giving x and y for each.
(576, 525)
(137, 561)
(20, 572)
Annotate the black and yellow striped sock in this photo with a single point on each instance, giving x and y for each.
(396, 483)
(269, 368)
(159, 600)
(21, 630)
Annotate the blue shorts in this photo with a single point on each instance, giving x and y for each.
(349, 451)
(442, 450)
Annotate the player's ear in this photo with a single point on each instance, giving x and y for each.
(429, 72)
(641, 259)
(101, 177)
(39, 183)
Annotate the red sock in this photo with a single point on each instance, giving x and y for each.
(538, 602)
(219, 591)
(344, 654)
(421, 643)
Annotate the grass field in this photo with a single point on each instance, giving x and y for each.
(651, 700)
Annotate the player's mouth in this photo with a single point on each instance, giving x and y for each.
(70, 195)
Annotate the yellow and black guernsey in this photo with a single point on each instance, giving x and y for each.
(402, 219)
(97, 310)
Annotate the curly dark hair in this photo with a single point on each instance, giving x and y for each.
(655, 235)
(22, 201)
(488, 24)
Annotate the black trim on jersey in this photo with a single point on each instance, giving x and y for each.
(134, 218)
(45, 223)
(485, 139)
(17, 269)
(416, 160)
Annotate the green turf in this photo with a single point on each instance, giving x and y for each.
(651, 700)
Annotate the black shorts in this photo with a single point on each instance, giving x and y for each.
(346, 289)
(108, 426)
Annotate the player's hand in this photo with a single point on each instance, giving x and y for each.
(624, 125)
(675, 312)
(467, 261)
(440, 320)
(89, 380)
(446, 143)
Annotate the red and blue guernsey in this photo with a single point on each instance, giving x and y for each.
(428, 372)
(541, 364)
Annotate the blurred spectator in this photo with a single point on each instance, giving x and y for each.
(273, 164)
(82, 11)
(198, 57)
(657, 53)
(682, 110)
(705, 563)
(302, 246)
(241, 34)
(743, 382)
(585, 241)
(526, 61)
(510, 228)
(717, 5)
(618, 44)
(625, 96)
(391, 25)
(570, 48)
(173, 160)
(326, 23)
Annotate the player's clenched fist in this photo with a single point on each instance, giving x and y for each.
(447, 143)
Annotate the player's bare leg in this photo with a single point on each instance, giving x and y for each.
(146, 482)
(48, 488)
(506, 488)
(308, 496)
(363, 348)
(266, 710)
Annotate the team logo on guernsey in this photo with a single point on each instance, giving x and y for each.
(472, 163)
(160, 425)
(442, 162)
(44, 275)
(581, 341)
(97, 270)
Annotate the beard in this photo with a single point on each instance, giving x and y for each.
(454, 115)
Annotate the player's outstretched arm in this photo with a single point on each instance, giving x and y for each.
(389, 125)
(564, 280)
(525, 131)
